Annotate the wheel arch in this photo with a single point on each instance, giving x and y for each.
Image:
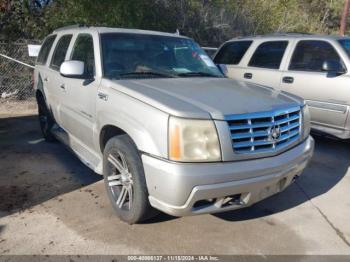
(39, 95)
(142, 139)
(107, 132)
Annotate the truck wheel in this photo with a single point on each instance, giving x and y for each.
(46, 121)
(125, 180)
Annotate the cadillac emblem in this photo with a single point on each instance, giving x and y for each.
(275, 133)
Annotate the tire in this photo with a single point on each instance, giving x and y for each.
(46, 120)
(125, 181)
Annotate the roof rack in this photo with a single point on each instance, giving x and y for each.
(290, 33)
(276, 34)
(70, 27)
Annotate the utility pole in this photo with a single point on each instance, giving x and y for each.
(344, 17)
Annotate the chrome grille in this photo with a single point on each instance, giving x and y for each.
(266, 131)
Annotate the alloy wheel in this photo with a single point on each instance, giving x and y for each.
(120, 181)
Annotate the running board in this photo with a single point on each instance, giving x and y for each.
(60, 135)
(90, 159)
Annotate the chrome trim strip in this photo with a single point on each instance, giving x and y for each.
(264, 114)
(328, 106)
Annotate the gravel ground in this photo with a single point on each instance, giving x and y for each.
(50, 203)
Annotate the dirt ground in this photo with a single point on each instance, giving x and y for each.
(50, 203)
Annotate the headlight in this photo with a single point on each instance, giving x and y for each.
(306, 121)
(193, 140)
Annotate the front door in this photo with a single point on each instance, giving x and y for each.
(81, 94)
(327, 94)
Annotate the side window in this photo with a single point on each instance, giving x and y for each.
(45, 50)
(84, 51)
(309, 55)
(60, 52)
(231, 53)
(269, 55)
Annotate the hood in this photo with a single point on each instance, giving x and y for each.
(205, 97)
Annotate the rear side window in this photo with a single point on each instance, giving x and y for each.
(60, 52)
(309, 55)
(231, 53)
(84, 51)
(345, 43)
(45, 49)
(269, 55)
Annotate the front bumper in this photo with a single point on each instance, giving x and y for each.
(182, 189)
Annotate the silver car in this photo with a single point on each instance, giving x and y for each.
(315, 67)
(152, 113)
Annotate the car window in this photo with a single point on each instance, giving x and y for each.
(269, 55)
(148, 56)
(345, 43)
(84, 51)
(231, 53)
(45, 49)
(60, 52)
(309, 55)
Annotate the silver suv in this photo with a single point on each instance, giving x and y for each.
(315, 67)
(152, 113)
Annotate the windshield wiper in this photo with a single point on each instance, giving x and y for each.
(194, 74)
(146, 73)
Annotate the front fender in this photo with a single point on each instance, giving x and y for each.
(146, 125)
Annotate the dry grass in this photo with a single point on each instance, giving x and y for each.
(16, 107)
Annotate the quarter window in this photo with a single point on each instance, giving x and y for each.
(345, 43)
(231, 53)
(60, 52)
(45, 49)
(269, 55)
(84, 51)
(309, 55)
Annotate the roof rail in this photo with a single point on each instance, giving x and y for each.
(70, 27)
(276, 34)
(291, 33)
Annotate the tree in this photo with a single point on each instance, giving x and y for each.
(210, 22)
(344, 17)
(21, 18)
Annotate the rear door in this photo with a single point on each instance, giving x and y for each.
(265, 63)
(54, 78)
(327, 94)
(229, 57)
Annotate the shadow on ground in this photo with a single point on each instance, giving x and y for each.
(33, 171)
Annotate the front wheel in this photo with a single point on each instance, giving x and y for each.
(125, 180)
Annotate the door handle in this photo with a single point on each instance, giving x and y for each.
(63, 86)
(248, 75)
(102, 96)
(46, 79)
(288, 79)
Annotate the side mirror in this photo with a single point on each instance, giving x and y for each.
(73, 69)
(333, 66)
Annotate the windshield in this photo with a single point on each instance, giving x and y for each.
(345, 43)
(145, 56)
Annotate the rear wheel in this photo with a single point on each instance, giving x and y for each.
(46, 121)
(125, 180)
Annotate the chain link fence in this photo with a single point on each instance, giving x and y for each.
(16, 83)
